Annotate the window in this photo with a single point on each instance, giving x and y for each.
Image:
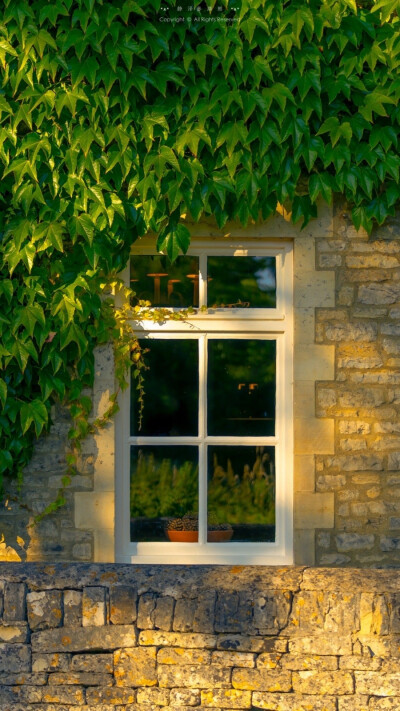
(207, 476)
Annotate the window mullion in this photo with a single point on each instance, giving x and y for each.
(202, 435)
(203, 280)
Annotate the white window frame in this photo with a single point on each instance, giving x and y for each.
(275, 323)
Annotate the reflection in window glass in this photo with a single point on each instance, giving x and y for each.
(155, 279)
(241, 282)
(163, 487)
(241, 387)
(241, 493)
(170, 387)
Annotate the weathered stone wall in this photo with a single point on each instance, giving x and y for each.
(55, 537)
(124, 638)
(364, 399)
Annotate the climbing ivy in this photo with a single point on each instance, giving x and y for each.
(115, 122)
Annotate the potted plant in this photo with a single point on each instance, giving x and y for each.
(186, 529)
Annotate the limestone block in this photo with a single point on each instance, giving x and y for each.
(312, 436)
(94, 510)
(104, 542)
(25, 694)
(304, 472)
(13, 632)
(292, 702)
(355, 462)
(226, 699)
(314, 362)
(233, 613)
(342, 614)
(81, 677)
(354, 427)
(313, 510)
(147, 605)
(372, 261)
(123, 599)
(15, 658)
(377, 684)
(184, 614)
(323, 644)
(354, 703)
(109, 695)
(14, 602)
(21, 679)
(94, 606)
(44, 609)
(180, 655)
(381, 293)
(135, 667)
(314, 289)
(50, 662)
(354, 541)
(304, 326)
(233, 659)
(388, 646)
(203, 619)
(327, 261)
(304, 546)
(353, 331)
(164, 613)
(352, 662)
(193, 676)
(304, 398)
(376, 704)
(72, 608)
(309, 662)
(92, 663)
(262, 679)
(105, 458)
(331, 482)
(308, 613)
(323, 682)
(242, 643)
(75, 639)
(185, 697)
(63, 695)
(177, 639)
(374, 614)
(150, 695)
(303, 254)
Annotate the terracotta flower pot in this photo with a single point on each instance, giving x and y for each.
(192, 536)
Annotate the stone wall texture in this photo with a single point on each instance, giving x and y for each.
(363, 474)
(123, 638)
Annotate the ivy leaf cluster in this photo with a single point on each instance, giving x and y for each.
(113, 123)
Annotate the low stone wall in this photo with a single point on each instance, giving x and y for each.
(123, 638)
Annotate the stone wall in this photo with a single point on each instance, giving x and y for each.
(124, 638)
(55, 537)
(364, 399)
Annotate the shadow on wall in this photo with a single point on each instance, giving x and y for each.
(55, 538)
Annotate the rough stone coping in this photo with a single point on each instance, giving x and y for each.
(196, 579)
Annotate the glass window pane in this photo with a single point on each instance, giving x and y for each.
(170, 389)
(241, 493)
(155, 279)
(241, 282)
(241, 387)
(163, 487)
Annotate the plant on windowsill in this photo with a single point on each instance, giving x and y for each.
(186, 529)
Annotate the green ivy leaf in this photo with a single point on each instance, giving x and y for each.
(34, 412)
(174, 242)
